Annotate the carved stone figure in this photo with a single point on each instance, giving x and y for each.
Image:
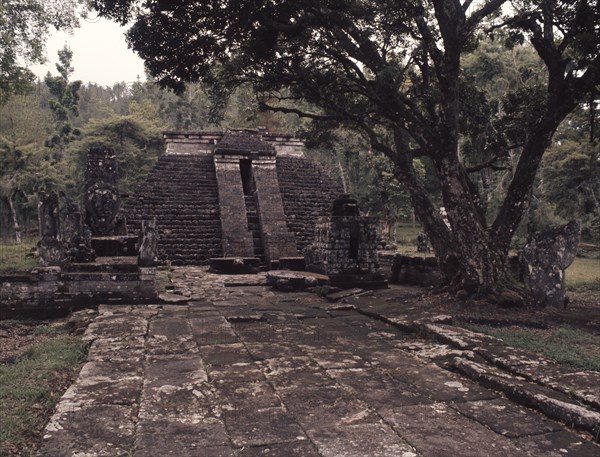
(77, 245)
(50, 249)
(547, 255)
(147, 255)
(102, 198)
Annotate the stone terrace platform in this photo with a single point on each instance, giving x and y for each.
(236, 369)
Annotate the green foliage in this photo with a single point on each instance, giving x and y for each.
(64, 103)
(565, 345)
(24, 26)
(571, 180)
(28, 391)
(136, 139)
(17, 257)
(584, 273)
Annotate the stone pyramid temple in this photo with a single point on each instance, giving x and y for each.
(239, 193)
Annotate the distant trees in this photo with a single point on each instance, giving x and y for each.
(64, 103)
(24, 26)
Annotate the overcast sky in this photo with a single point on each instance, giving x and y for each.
(100, 54)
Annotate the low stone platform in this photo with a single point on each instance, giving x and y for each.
(238, 369)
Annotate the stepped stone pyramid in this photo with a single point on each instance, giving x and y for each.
(238, 193)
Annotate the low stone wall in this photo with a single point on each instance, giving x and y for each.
(424, 271)
(417, 271)
(49, 291)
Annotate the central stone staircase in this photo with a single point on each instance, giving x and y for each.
(254, 227)
(181, 193)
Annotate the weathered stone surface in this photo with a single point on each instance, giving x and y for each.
(277, 239)
(235, 265)
(242, 395)
(345, 247)
(148, 250)
(76, 237)
(157, 438)
(506, 418)
(293, 281)
(360, 440)
(378, 389)
(558, 444)
(292, 449)
(548, 255)
(237, 239)
(50, 249)
(252, 427)
(316, 407)
(102, 197)
(437, 430)
(551, 403)
(213, 399)
(99, 430)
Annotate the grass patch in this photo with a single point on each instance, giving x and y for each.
(583, 273)
(566, 345)
(17, 257)
(30, 388)
(162, 280)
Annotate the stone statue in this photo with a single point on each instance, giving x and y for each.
(147, 255)
(102, 198)
(77, 245)
(547, 255)
(50, 249)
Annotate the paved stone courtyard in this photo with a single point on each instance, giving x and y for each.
(236, 369)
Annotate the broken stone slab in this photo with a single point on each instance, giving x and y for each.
(341, 295)
(551, 403)
(172, 298)
(580, 385)
(292, 281)
(458, 337)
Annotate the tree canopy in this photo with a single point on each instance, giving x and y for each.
(24, 27)
(394, 71)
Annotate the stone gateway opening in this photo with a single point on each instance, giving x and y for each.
(247, 178)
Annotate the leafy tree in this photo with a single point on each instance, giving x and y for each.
(393, 71)
(64, 103)
(136, 139)
(24, 27)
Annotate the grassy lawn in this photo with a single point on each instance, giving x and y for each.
(31, 385)
(15, 257)
(583, 273)
(566, 345)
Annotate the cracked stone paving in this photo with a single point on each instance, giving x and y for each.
(234, 368)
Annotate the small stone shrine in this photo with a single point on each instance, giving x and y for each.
(547, 256)
(345, 247)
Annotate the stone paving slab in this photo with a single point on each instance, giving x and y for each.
(245, 371)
